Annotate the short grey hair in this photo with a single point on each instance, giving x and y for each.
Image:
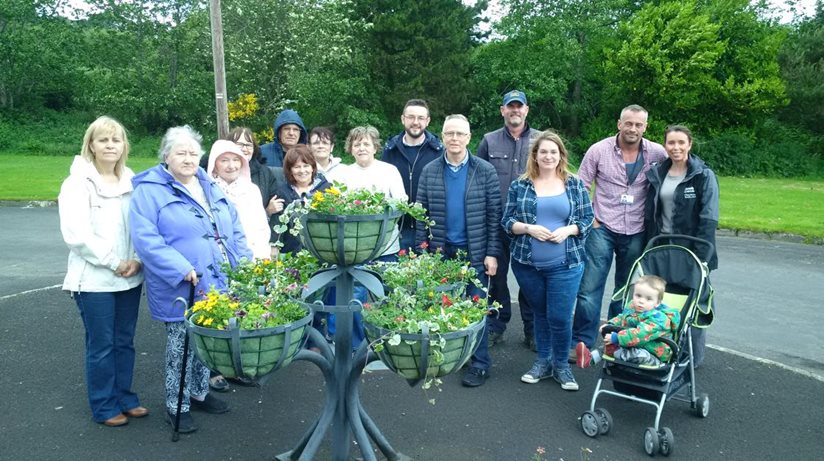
(456, 117)
(632, 108)
(176, 136)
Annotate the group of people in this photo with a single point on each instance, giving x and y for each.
(514, 203)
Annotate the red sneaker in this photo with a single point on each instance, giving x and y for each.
(583, 355)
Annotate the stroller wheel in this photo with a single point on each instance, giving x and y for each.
(702, 405)
(604, 420)
(590, 424)
(667, 441)
(651, 444)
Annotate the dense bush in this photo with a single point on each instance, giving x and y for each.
(772, 150)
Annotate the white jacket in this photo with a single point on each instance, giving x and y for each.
(94, 222)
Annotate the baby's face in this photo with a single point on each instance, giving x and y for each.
(644, 297)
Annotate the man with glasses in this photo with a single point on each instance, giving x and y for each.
(460, 192)
(507, 149)
(410, 151)
(618, 166)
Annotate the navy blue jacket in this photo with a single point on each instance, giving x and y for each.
(411, 168)
(272, 153)
(483, 208)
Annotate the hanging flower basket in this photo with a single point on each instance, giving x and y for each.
(248, 353)
(348, 240)
(416, 358)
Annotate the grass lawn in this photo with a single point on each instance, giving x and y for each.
(36, 177)
(794, 206)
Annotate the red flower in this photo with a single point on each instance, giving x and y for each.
(476, 298)
(424, 245)
(445, 300)
(402, 253)
(400, 318)
(367, 306)
(444, 280)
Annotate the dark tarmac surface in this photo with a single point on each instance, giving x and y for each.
(759, 411)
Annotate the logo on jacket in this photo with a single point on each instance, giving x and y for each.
(689, 192)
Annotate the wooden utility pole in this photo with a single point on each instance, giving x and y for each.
(220, 70)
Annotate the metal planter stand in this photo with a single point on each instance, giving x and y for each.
(342, 411)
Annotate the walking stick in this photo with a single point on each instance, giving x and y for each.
(176, 434)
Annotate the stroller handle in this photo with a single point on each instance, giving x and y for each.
(670, 237)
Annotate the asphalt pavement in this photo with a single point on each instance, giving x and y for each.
(763, 376)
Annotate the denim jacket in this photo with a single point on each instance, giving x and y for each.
(521, 206)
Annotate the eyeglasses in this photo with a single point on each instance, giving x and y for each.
(454, 134)
(412, 118)
(245, 145)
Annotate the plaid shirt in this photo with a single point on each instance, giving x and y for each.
(521, 206)
(604, 164)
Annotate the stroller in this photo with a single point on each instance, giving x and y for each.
(688, 289)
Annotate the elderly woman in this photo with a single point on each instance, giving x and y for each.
(683, 199)
(369, 173)
(183, 228)
(230, 169)
(548, 214)
(268, 179)
(104, 274)
(302, 180)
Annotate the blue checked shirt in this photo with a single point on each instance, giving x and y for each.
(521, 206)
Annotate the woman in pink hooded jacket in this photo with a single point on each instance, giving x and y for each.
(230, 170)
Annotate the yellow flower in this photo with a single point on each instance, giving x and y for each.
(208, 322)
(318, 196)
(333, 190)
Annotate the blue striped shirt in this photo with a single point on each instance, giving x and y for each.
(521, 206)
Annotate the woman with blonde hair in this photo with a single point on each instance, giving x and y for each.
(104, 274)
(548, 214)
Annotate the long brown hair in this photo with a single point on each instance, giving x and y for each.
(532, 161)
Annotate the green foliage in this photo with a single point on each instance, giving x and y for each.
(802, 66)
(419, 49)
(772, 150)
(709, 64)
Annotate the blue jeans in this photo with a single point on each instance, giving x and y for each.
(551, 294)
(601, 245)
(110, 319)
(499, 291)
(481, 358)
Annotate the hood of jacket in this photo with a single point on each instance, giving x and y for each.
(284, 118)
(223, 147)
(86, 169)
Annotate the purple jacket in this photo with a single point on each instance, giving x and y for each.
(173, 234)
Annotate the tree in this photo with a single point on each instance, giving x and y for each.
(710, 64)
(34, 43)
(552, 49)
(419, 49)
(802, 66)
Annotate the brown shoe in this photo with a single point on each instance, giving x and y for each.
(137, 412)
(118, 420)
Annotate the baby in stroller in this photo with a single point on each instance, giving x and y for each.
(643, 321)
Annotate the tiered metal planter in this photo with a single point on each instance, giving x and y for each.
(337, 240)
